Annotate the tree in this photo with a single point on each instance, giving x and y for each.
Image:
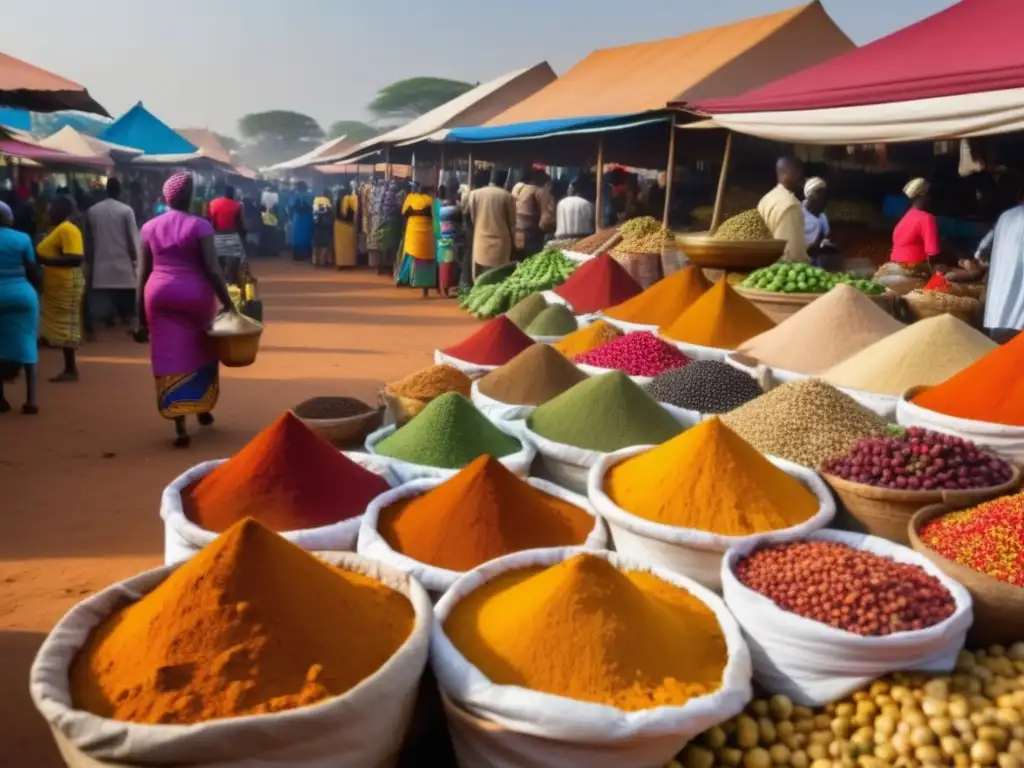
(229, 143)
(355, 130)
(278, 135)
(416, 96)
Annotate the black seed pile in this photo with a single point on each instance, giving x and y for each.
(330, 408)
(708, 386)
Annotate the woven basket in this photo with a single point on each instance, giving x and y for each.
(780, 306)
(645, 268)
(885, 513)
(925, 304)
(998, 606)
(350, 430)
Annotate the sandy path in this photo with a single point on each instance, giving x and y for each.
(80, 484)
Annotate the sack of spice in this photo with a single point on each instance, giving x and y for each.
(289, 479)
(435, 530)
(491, 345)
(569, 629)
(681, 505)
(814, 663)
(169, 689)
(529, 379)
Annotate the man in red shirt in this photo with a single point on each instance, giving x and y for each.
(228, 218)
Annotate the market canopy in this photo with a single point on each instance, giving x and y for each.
(337, 147)
(140, 128)
(29, 87)
(475, 107)
(67, 139)
(34, 152)
(16, 118)
(721, 61)
(208, 143)
(958, 73)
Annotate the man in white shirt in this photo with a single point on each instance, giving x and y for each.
(574, 216)
(782, 212)
(269, 199)
(1004, 296)
(111, 253)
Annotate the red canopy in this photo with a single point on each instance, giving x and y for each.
(27, 86)
(971, 47)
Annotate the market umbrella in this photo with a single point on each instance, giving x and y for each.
(29, 87)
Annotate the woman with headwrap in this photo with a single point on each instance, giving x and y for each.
(62, 253)
(180, 286)
(915, 242)
(346, 212)
(19, 310)
(419, 265)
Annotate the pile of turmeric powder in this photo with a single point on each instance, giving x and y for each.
(710, 479)
(584, 630)
(252, 624)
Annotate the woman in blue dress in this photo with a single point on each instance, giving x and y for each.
(19, 311)
(301, 208)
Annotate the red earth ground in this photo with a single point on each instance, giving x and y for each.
(80, 483)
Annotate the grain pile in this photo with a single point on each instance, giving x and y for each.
(643, 234)
(707, 386)
(804, 421)
(925, 353)
(330, 408)
(593, 243)
(828, 330)
(743, 226)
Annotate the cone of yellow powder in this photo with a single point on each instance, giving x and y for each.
(683, 503)
(548, 644)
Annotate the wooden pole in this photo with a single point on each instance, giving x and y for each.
(387, 161)
(469, 174)
(599, 197)
(440, 172)
(716, 215)
(669, 172)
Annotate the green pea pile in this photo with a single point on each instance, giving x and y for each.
(787, 277)
(540, 272)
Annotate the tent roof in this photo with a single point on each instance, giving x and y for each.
(67, 139)
(970, 47)
(723, 60)
(14, 117)
(47, 155)
(208, 142)
(475, 107)
(26, 85)
(138, 127)
(337, 147)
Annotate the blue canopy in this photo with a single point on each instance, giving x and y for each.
(12, 117)
(141, 129)
(543, 128)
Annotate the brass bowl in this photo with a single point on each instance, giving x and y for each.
(737, 255)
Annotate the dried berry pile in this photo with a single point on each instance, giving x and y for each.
(919, 460)
(638, 354)
(708, 386)
(988, 538)
(846, 588)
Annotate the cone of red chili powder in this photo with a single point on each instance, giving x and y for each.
(598, 284)
(287, 477)
(494, 343)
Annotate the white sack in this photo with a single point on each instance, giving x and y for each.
(594, 370)
(1001, 438)
(183, 538)
(495, 410)
(696, 351)
(362, 728)
(577, 733)
(695, 554)
(472, 370)
(814, 663)
(404, 471)
(628, 327)
(438, 580)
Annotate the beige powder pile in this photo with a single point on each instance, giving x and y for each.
(828, 330)
(927, 352)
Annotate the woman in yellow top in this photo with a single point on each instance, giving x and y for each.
(346, 213)
(61, 253)
(418, 212)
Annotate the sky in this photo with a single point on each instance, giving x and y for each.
(205, 63)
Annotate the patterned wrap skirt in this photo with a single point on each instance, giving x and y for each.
(61, 315)
(185, 394)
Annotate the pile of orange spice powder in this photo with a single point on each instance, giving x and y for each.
(252, 624)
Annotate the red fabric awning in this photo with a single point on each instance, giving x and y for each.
(27, 86)
(971, 47)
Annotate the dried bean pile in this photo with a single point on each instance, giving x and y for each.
(846, 588)
(804, 421)
(330, 408)
(708, 386)
(638, 354)
(747, 225)
(919, 460)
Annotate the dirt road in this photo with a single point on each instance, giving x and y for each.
(80, 483)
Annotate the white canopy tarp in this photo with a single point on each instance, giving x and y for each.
(316, 156)
(69, 140)
(935, 119)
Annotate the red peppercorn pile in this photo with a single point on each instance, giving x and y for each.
(988, 538)
(846, 588)
(919, 460)
(638, 354)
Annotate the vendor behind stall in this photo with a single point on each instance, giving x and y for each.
(1004, 297)
(816, 226)
(915, 242)
(782, 212)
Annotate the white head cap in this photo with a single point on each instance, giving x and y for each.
(812, 185)
(916, 187)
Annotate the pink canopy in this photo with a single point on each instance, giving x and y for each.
(24, 150)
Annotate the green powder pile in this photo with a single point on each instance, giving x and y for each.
(448, 433)
(524, 313)
(555, 320)
(604, 413)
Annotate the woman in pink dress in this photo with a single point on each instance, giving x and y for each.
(180, 287)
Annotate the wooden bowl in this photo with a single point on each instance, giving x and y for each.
(885, 512)
(350, 430)
(998, 606)
(736, 255)
(780, 306)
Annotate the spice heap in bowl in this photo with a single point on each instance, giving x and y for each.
(919, 459)
(846, 588)
(637, 354)
(705, 386)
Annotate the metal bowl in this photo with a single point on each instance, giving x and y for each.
(739, 255)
